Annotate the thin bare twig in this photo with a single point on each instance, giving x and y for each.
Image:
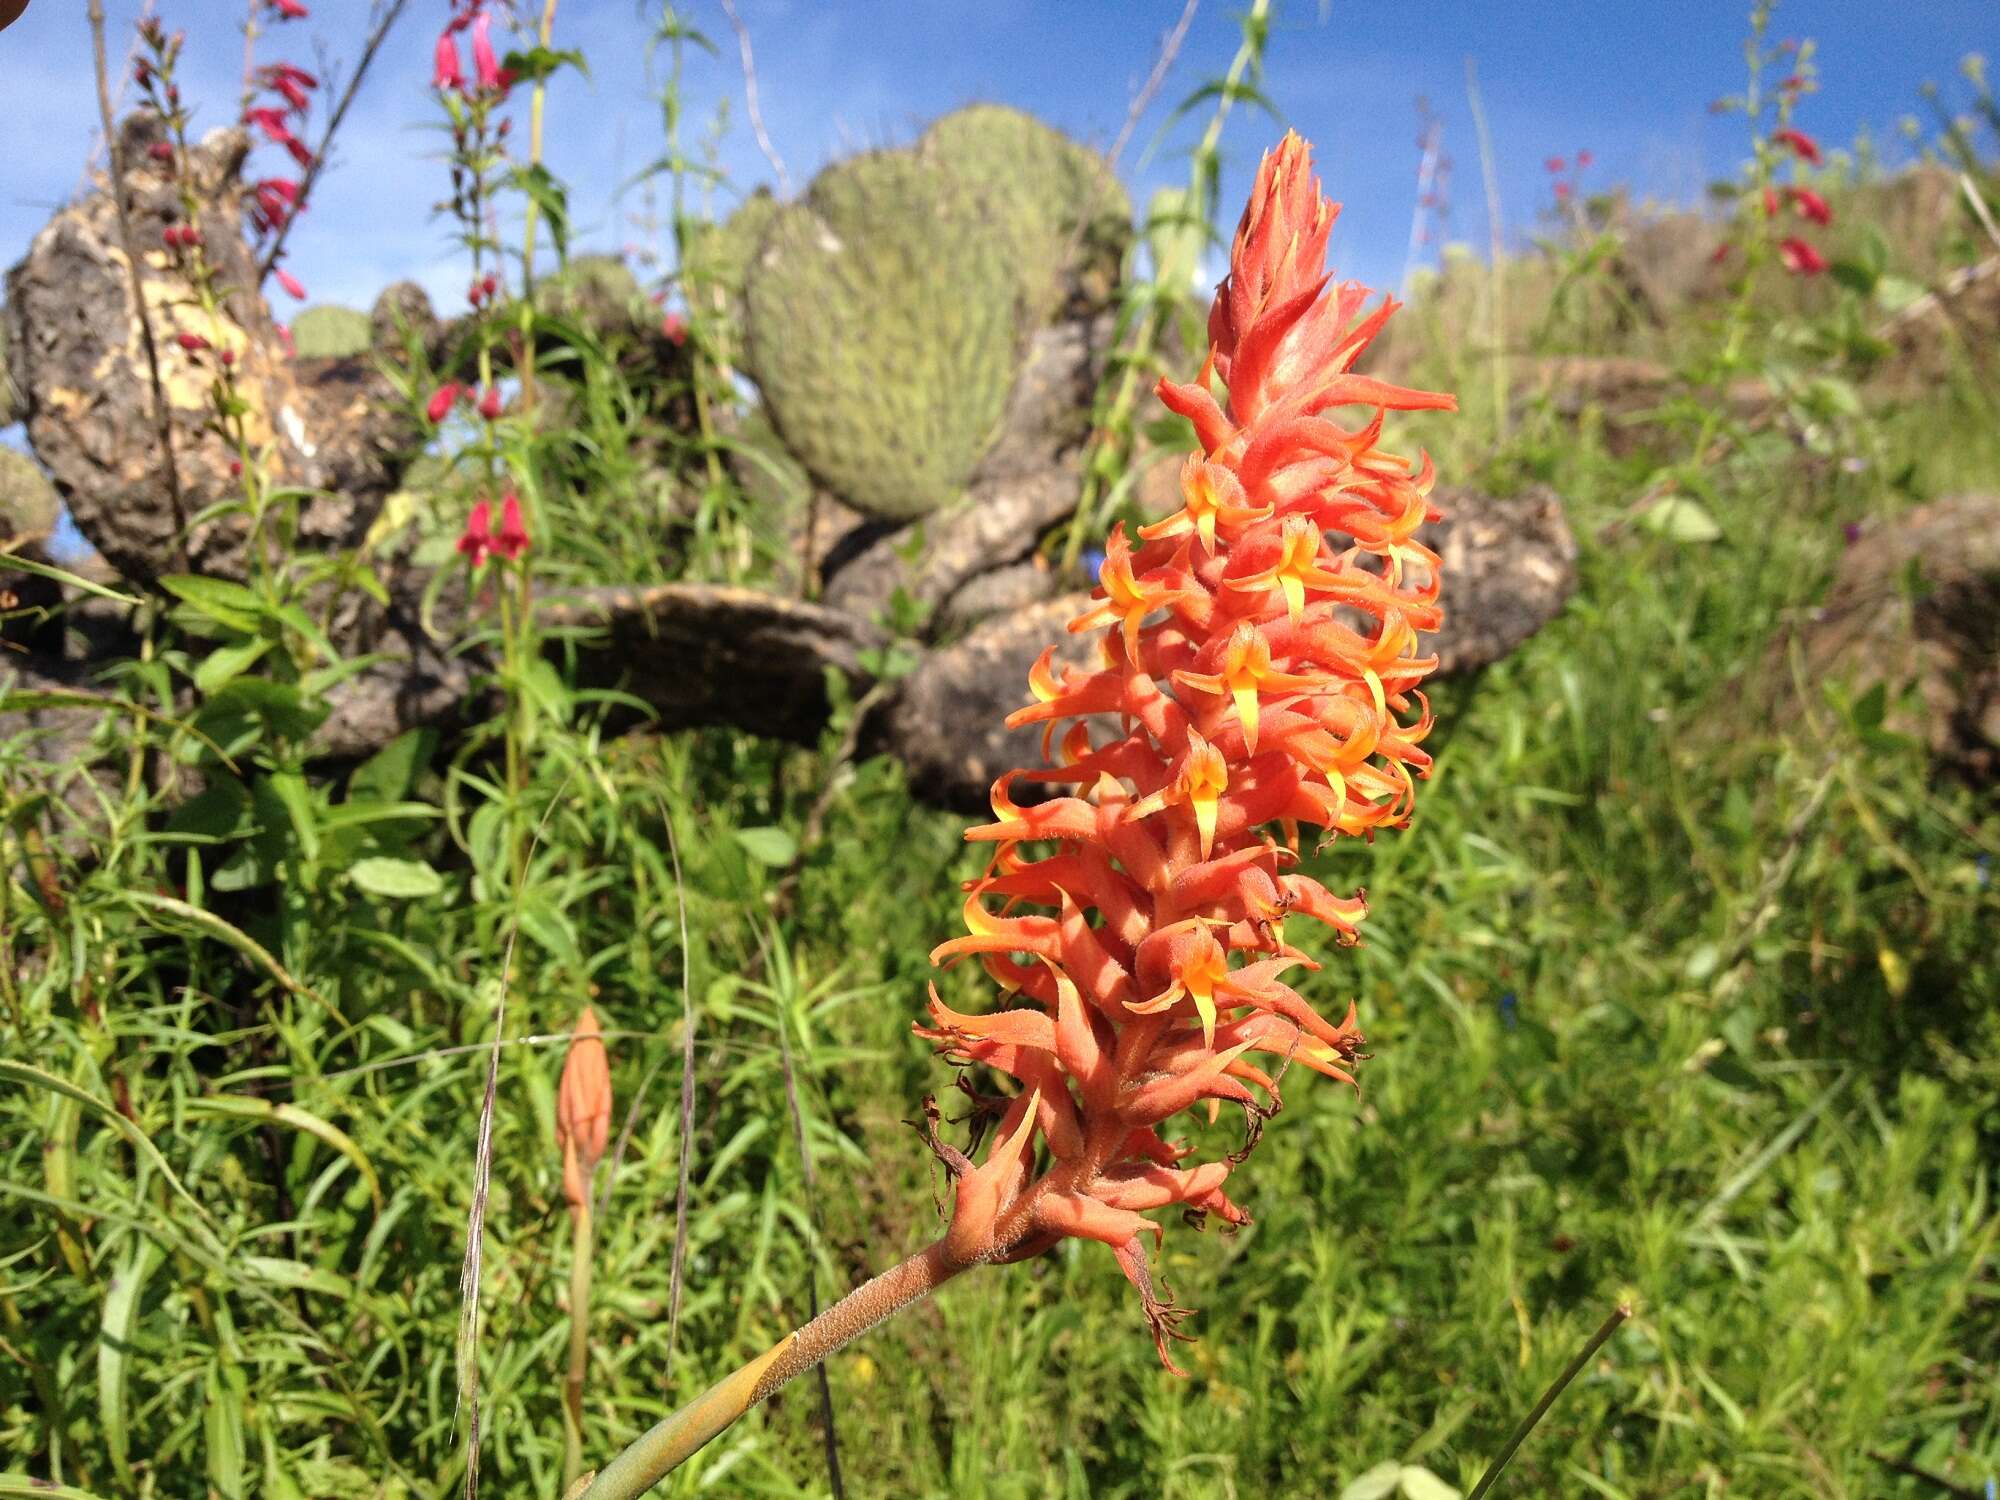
(386, 19)
(750, 96)
(1170, 48)
(687, 1115)
(114, 148)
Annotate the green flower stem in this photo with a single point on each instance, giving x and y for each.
(579, 1342)
(673, 1441)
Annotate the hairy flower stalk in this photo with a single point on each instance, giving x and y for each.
(1257, 671)
(583, 1130)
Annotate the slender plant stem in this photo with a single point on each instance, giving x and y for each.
(1496, 269)
(579, 1341)
(764, 143)
(832, 1433)
(673, 1441)
(537, 105)
(1583, 1357)
(1110, 445)
(376, 37)
(162, 423)
(686, 1144)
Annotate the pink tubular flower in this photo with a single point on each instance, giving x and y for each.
(476, 541)
(289, 10)
(490, 76)
(293, 287)
(446, 72)
(674, 329)
(194, 343)
(443, 399)
(161, 151)
(512, 538)
(1583, 159)
(1800, 258)
(1811, 206)
(1802, 145)
(292, 82)
(270, 120)
(1770, 203)
(1555, 164)
(490, 404)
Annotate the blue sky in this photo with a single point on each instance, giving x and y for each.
(1630, 81)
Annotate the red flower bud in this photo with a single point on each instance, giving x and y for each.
(291, 284)
(476, 541)
(1811, 206)
(289, 10)
(446, 73)
(485, 65)
(1800, 258)
(1802, 145)
(443, 399)
(161, 151)
(194, 343)
(490, 403)
(512, 538)
(674, 328)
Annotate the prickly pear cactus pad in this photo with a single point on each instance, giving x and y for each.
(330, 332)
(882, 330)
(1066, 213)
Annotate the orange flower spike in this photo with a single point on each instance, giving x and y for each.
(1113, 914)
(583, 1108)
(1209, 493)
(1126, 599)
(1297, 568)
(1247, 671)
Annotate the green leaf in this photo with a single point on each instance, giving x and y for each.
(1853, 275)
(1894, 293)
(15, 561)
(772, 846)
(1377, 1484)
(548, 195)
(225, 663)
(209, 923)
(538, 63)
(216, 812)
(401, 879)
(1680, 519)
(387, 775)
(116, 1329)
(1420, 1483)
(217, 599)
(249, 1107)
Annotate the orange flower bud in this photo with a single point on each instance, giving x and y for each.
(583, 1108)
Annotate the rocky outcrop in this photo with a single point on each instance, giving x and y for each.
(82, 381)
(1915, 607)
